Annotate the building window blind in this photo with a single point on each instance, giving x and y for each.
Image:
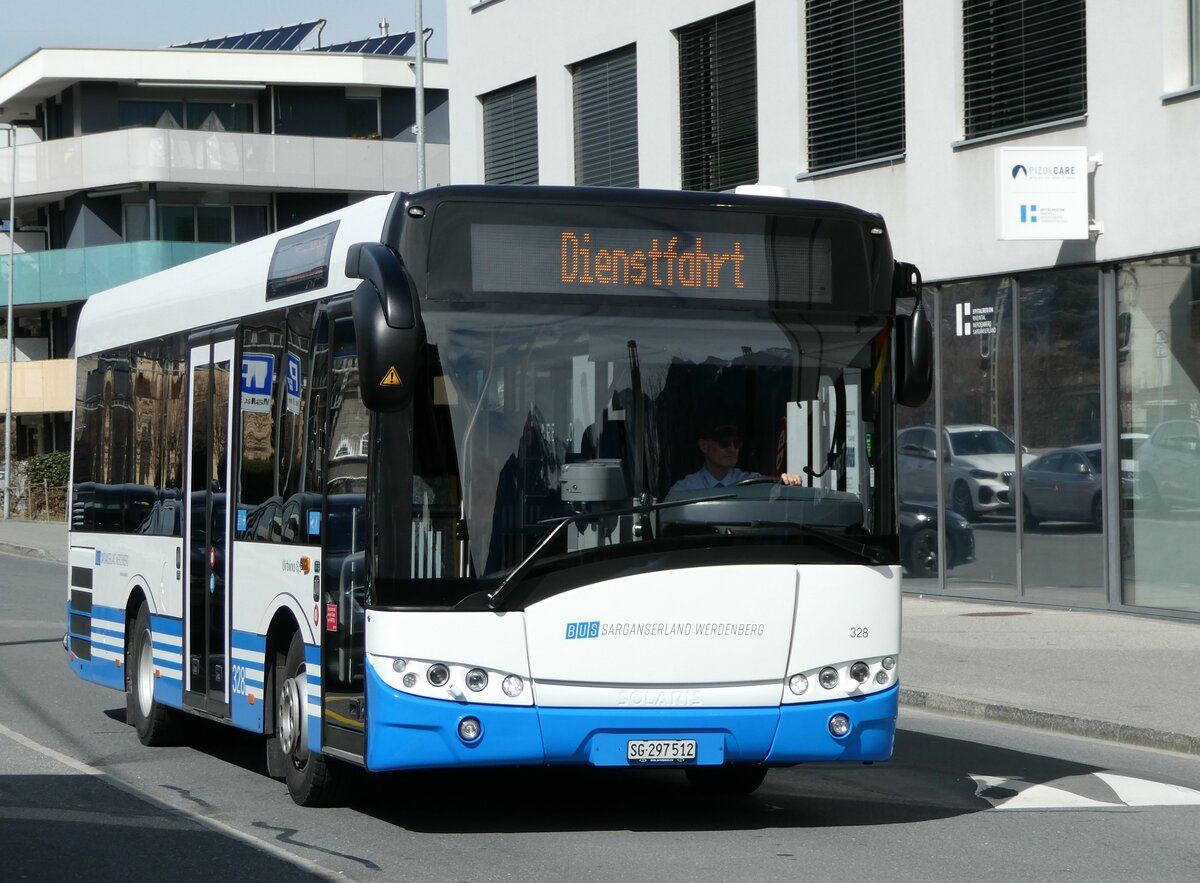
(606, 132)
(855, 81)
(718, 102)
(1024, 62)
(510, 151)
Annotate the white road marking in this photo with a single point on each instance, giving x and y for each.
(1130, 792)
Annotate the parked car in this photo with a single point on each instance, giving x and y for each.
(919, 540)
(980, 461)
(1064, 485)
(1168, 465)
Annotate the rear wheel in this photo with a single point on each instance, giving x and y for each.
(312, 779)
(727, 780)
(153, 721)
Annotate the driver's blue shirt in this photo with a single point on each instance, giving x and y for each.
(702, 479)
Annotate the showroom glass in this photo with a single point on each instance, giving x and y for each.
(1063, 549)
(1158, 368)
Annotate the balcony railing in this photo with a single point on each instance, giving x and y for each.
(73, 274)
(219, 159)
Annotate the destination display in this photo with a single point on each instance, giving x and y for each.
(639, 261)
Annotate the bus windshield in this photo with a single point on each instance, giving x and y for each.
(562, 412)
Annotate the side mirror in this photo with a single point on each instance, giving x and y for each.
(387, 326)
(913, 341)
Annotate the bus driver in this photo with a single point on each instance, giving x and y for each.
(721, 444)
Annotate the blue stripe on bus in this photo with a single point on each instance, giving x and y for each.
(166, 625)
(246, 673)
(168, 685)
(312, 665)
(405, 731)
(108, 614)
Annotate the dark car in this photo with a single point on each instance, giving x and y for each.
(1065, 485)
(919, 540)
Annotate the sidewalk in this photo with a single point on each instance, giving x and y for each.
(1130, 679)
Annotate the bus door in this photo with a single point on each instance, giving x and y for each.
(344, 535)
(206, 613)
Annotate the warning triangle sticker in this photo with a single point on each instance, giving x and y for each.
(392, 378)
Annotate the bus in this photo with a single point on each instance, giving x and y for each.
(401, 487)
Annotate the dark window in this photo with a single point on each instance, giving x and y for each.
(718, 102)
(300, 262)
(510, 151)
(362, 117)
(156, 114)
(606, 123)
(214, 224)
(855, 81)
(1024, 62)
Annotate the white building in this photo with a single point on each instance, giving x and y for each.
(1087, 334)
(131, 161)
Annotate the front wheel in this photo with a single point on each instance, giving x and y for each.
(728, 780)
(153, 721)
(961, 502)
(923, 554)
(312, 778)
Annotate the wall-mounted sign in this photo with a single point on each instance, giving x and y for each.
(1042, 192)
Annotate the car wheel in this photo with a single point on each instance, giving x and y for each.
(923, 554)
(1031, 520)
(960, 501)
(1152, 500)
(727, 780)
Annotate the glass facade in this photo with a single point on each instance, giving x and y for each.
(1158, 370)
(1029, 476)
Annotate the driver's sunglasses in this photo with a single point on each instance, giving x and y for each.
(728, 442)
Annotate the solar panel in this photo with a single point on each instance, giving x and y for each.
(394, 44)
(281, 39)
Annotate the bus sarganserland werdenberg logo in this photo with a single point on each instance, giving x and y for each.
(583, 629)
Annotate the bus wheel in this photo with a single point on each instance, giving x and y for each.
(726, 780)
(154, 722)
(312, 779)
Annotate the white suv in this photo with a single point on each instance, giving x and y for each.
(980, 461)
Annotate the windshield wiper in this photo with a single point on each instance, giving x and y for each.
(502, 591)
(840, 541)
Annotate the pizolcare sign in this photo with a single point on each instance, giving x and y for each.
(1042, 193)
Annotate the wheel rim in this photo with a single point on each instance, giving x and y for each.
(145, 673)
(962, 499)
(293, 718)
(925, 554)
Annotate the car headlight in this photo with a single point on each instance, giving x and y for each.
(983, 473)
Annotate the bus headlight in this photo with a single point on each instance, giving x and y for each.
(839, 725)
(438, 674)
(860, 671)
(889, 662)
(512, 686)
(828, 678)
(476, 679)
(881, 677)
(798, 684)
(469, 729)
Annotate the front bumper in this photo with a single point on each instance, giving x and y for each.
(407, 732)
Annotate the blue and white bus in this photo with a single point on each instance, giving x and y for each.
(397, 488)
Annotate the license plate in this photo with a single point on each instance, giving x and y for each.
(662, 751)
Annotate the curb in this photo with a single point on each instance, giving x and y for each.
(28, 552)
(1123, 734)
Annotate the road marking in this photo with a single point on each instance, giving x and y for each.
(212, 824)
(1014, 793)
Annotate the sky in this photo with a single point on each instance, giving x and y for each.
(147, 24)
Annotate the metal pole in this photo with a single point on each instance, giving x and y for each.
(419, 128)
(12, 272)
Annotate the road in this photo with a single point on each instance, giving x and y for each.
(79, 796)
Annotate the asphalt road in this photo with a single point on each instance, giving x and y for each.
(80, 797)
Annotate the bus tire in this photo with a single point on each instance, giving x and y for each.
(154, 722)
(312, 779)
(727, 780)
